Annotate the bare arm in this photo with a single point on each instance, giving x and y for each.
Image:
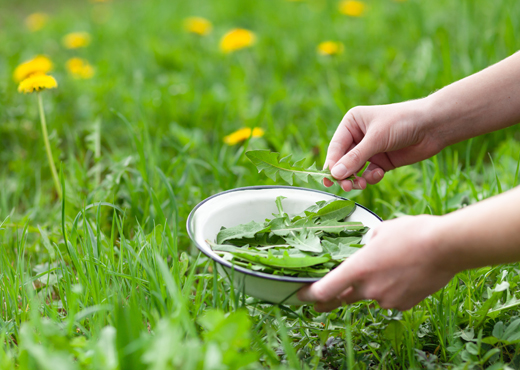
(486, 233)
(481, 103)
(395, 135)
(411, 257)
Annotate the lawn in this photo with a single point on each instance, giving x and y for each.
(107, 278)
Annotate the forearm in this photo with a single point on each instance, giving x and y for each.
(486, 233)
(483, 102)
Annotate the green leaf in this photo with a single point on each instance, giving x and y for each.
(272, 164)
(241, 231)
(305, 241)
(490, 340)
(279, 205)
(278, 227)
(285, 246)
(512, 333)
(498, 330)
(394, 333)
(472, 348)
(263, 239)
(286, 260)
(347, 240)
(233, 248)
(337, 210)
(340, 250)
(489, 354)
(359, 232)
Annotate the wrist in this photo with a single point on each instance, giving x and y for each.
(458, 240)
(440, 250)
(435, 123)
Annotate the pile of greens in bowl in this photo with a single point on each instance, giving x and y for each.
(309, 244)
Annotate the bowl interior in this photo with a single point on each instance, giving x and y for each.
(243, 205)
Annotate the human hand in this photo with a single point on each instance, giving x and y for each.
(388, 136)
(401, 265)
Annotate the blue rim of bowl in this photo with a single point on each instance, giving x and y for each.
(263, 275)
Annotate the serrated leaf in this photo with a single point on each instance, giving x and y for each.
(259, 239)
(294, 246)
(272, 164)
(346, 240)
(241, 231)
(278, 227)
(305, 241)
(338, 250)
(234, 248)
(359, 232)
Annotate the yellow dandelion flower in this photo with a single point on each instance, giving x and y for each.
(39, 64)
(76, 40)
(37, 82)
(236, 39)
(242, 135)
(352, 8)
(330, 48)
(80, 68)
(198, 25)
(36, 21)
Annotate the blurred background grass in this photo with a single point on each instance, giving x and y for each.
(146, 132)
(182, 95)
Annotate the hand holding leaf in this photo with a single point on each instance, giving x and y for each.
(272, 164)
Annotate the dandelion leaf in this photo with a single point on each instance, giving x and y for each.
(272, 164)
(278, 226)
(241, 231)
(285, 261)
(305, 241)
(337, 210)
(341, 248)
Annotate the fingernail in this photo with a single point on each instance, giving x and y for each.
(378, 175)
(339, 171)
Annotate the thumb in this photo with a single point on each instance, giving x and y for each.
(355, 159)
(331, 285)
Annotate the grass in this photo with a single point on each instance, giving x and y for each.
(108, 277)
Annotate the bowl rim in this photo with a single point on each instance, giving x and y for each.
(220, 260)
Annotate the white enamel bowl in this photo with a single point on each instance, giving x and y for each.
(242, 205)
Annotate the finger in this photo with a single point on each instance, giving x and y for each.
(304, 295)
(359, 183)
(347, 185)
(354, 159)
(332, 284)
(351, 295)
(383, 161)
(339, 144)
(328, 183)
(373, 174)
